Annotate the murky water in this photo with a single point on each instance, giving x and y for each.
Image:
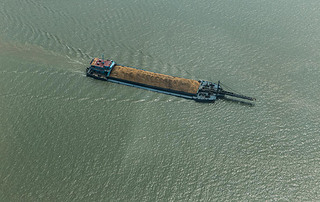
(66, 137)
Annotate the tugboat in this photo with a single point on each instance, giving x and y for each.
(200, 91)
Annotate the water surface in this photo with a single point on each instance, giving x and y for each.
(66, 137)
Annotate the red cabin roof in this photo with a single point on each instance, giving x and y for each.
(101, 63)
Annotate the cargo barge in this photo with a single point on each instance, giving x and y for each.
(201, 91)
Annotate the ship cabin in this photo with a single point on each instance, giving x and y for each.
(102, 66)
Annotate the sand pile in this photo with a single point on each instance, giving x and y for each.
(155, 79)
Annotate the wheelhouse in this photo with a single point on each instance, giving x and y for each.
(102, 66)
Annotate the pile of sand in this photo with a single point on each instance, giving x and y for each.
(155, 79)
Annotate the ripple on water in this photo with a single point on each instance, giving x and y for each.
(68, 137)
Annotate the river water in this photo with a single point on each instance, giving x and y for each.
(66, 137)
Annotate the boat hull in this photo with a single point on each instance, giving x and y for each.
(200, 91)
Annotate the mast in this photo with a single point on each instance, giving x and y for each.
(222, 93)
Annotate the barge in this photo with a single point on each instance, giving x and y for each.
(200, 91)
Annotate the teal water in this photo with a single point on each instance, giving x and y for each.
(66, 137)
